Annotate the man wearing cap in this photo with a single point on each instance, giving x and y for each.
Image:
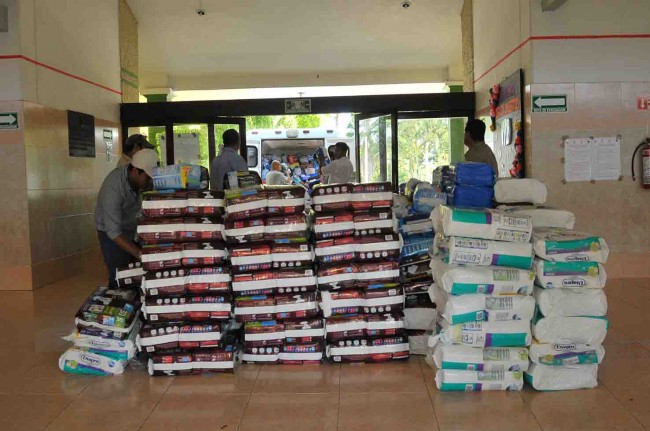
(132, 145)
(118, 208)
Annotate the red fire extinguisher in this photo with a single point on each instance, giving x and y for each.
(645, 162)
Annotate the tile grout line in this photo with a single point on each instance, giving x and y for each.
(523, 400)
(433, 407)
(72, 399)
(248, 399)
(156, 405)
(600, 382)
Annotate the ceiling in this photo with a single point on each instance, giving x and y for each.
(295, 36)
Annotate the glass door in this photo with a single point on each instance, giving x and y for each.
(376, 142)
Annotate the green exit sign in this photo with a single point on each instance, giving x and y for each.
(550, 103)
(8, 120)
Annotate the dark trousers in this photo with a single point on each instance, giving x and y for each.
(114, 257)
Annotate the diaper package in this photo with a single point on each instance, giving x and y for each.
(559, 378)
(520, 190)
(567, 302)
(566, 353)
(81, 361)
(471, 197)
(479, 307)
(485, 334)
(581, 330)
(481, 223)
(563, 245)
(459, 357)
(543, 216)
(463, 380)
(570, 275)
(460, 250)
(474, 174)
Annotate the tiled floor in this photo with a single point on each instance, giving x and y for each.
(35, 395)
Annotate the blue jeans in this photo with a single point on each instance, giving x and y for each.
(114, 257)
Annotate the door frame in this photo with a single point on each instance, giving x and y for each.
(393, 114)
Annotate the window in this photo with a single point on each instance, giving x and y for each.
(251, 156)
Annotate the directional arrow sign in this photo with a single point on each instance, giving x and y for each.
(552, 103)
(8, 120)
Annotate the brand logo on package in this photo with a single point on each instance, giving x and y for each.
(8, 120)
(573, 282)
(90, 360)
(577, 258)
(550, 103)
(564, 347)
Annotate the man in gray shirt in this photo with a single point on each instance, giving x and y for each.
(478, 151)
(118, 208)
(227, 161)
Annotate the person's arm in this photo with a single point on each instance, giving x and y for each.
(112, 215)
(328, 169)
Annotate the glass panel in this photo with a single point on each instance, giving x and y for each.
(191, 144)
(375, 151)
(423, 144)
(251, 156)
(156, 136)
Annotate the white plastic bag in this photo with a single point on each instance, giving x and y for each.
(553, 378)
(564, 245)
(571, 302)
(458, 357)
(481, 223)
(566, 353)
(522, 190)
(582, 330)
(543, 216)
(551, 275)
(461, 380)
(485, 334)
(470, 251)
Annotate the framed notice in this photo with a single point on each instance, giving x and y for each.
(81, 134)
(509, 134)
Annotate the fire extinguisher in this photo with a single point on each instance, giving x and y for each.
(645, 162)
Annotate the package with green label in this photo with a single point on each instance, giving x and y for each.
(488, 280)
(484, 334)
(469, 381)
(81, 361)
(110, 308)
(566, 353)
(564, 245)
(459, 357)
(481, 223)
(471, 251)
(550, 275)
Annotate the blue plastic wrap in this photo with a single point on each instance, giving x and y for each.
(474, 174)
(472, 197)
(416, 245)
(426, 198)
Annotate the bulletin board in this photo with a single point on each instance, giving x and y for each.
(509, 133)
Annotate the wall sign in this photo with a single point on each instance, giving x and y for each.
(509, 134)
(297, 106)
(8, 120)
(108, 141)
(643, 103)
(550, 103)
(81, 134)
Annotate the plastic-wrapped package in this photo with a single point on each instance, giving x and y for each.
(155, 231)
(581, 330)
(478, 307)
(298, 306)
(416, 224)
(377, 247)
(165, 256)
(566, 353)
(246, 203)
(253, 257)
(262, 355)
(332, 197)
(262, 334)
(254, 283)
(285, 200)
(304, 331)
(299, 354)
(202, 229)
(286, 227)
(570, 275)
(158, 338)
(520, 190)
(178, 177)
(333, 225)
(373, 222)
(560, 378)
(383, 300)
(80, 361)
(416, 245)
(461, 280)
(401, 206)
(460, 250)
(130, 276)
(292, 255)
(543, 216)
(377, 273)
(459, 357)
(471, 197)
(164, 204)
(254, 308)
(426, 198)
(244, 231)
(297, 280)
(482, 223)
(190, 308)
(384, 325)
(194, 281)
(344, 327)
(372, 196)
(114, 348)
(418, 344)
(205, 203)
(474, 174)
(417, 270)
(111, 309)
(369, 350)
(419, 312)
(336, 250)
(336, 277)
(563, 245)
(485, 334)
(188, 229)
(340, 303)
(178, 364)
(571, 302)
(464, 380)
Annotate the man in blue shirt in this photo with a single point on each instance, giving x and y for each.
(228, 160)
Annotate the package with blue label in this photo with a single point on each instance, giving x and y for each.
(563, 245)
(459, 357)
(482, 223)
(109, 308)
(471, 197)
(114, 348)
(178, 177)
(426, 198)
(570, 275)
(81, 361)
(474, 174)
(566, 353)
(471, 251)
(489, 280)
(469, 381)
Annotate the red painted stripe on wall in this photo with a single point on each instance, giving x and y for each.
(62, 72)
(562, 37)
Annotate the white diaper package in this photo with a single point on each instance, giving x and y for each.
(478, 307)
(562, 378)
(522, 190)
(80, 361)
(481, 223)
(420, 318)
(470, 251)
(566, 353)
(463, 380)
(550, 275)
(564, 245)
(458, 357)
(571, 302)
(582, 330)
(419, 344)
(485, 334)
(489, 280)
(543, 216)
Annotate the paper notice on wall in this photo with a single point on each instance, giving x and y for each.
(592, 159)
(607, 158)
(577, 159)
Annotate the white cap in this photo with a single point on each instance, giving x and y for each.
(146, 160)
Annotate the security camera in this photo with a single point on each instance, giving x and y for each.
(406, 4)
(200, 12)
